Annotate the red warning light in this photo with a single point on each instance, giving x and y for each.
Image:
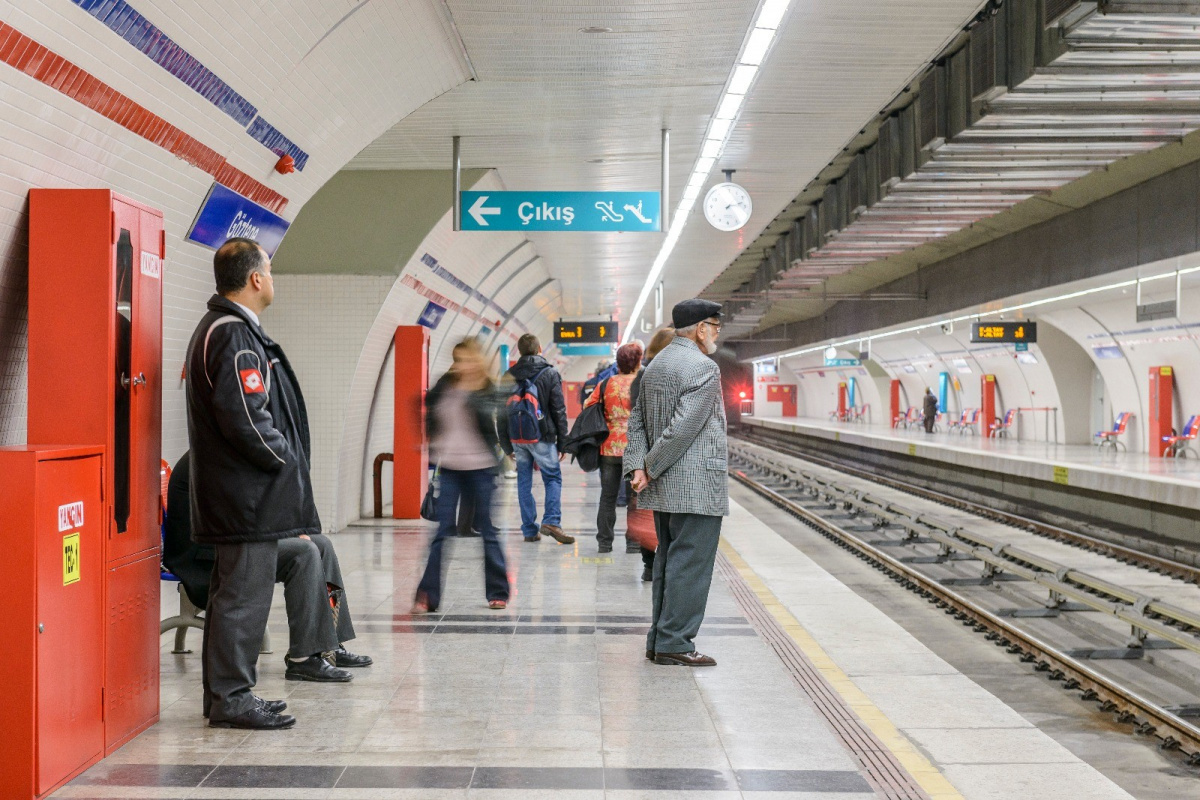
(742, 395)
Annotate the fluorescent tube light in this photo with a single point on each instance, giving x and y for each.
(743, 76)
(730, 104)
(711, 148)
(704, 166)
(771, 13)
(719, 129)
(757, 46)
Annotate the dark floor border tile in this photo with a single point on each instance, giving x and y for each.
(676, 779)
(274, 776)
(532, 778)
(372, 777)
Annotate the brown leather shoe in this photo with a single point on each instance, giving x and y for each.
(556, 533)
(692, 659)
(649, 655)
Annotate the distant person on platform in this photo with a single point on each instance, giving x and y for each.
(613, 396)
(533, 374)
(250, 466)
(930, 410)
(677, 460)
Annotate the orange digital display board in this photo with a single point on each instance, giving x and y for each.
(1009, 332)
(585, 332)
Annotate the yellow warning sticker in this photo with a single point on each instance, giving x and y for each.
(837, 437)
(72, 571)
(596, 560)
(1164, 370)
(1061, 475)
(912, 449)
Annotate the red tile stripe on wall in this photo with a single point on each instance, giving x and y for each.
(22, 53)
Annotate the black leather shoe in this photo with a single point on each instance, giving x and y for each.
(604, 548)
(315, 668)
(345, 659)
(256, 719)
(692, 659)
(272, 706)
(647, 575)
(649, 655)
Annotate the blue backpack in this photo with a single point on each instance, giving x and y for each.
(525, 412)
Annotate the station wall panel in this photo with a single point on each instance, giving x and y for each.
(333, 88)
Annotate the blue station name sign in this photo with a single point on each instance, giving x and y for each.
(225, 215)
(560, 211)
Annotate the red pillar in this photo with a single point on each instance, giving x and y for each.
(987, 403)
(410, 471)
(1162, 390)
(894, 402)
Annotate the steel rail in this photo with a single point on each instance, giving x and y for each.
(1057, 578)
(1143, 559)
(1128, 704)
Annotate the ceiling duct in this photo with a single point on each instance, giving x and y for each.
(1016, 108)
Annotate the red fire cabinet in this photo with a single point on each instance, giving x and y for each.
(987, 403)
(894, 401)
(410, 450)
(842, 400)
(571, 393)
(1162, 407)
(52, 525)
(95, 375)
(784, 394)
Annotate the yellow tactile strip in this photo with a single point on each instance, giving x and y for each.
(891, 763)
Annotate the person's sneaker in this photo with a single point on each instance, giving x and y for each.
(537, 537)
(604, 548)
(647, 575)
(633, 547)
(270, 706)
(317, 669)
(511, 475)
(556, 533)
(346, 660)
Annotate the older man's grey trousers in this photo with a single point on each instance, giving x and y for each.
(683, 568)
(306, 567)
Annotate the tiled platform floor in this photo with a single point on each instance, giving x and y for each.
(552, 698)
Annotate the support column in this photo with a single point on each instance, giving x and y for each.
(410, 470)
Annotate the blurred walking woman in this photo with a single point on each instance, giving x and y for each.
(461, 426)
(613, 394)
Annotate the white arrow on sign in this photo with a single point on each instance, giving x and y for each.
(478, 210)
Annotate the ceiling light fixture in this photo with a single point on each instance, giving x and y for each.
(755, 47)
(965, 317)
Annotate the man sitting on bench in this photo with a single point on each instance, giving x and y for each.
(318, 618)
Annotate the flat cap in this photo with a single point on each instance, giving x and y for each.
(689, 312)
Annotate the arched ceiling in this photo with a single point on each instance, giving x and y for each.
(556, 108)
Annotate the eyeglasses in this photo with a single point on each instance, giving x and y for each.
(716, 325)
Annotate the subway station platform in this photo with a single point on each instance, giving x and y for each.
(1166, 481)
(817, 693)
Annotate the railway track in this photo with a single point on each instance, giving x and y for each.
(780, 442)
(1120, 630)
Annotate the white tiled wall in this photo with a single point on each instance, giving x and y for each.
(331, 94)
(321, 322)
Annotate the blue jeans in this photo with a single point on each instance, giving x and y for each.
(477, 484)
(546, 456)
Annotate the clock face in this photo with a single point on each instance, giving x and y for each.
(727, 206)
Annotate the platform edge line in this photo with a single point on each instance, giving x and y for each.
(923, 771)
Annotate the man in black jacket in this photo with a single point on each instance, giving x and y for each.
(250, 462)
(547, 452)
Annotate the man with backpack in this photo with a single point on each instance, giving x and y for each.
(535, 430)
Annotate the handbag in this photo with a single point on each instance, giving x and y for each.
(639, 524)
(429, 504)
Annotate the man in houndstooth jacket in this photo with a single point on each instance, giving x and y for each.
(678, 459)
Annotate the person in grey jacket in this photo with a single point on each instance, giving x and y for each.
(677, 460)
